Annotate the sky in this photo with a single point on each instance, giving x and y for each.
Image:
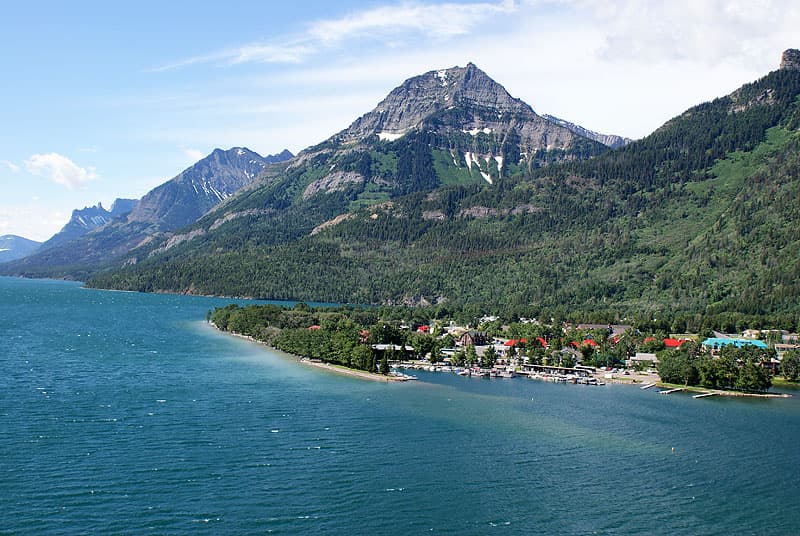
(101, 100)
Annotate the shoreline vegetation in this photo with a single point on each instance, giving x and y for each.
(369, 344)
(339, 369)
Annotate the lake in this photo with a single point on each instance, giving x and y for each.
(125, 413)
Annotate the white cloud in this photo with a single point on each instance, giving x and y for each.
(440, 20)
(60, 170)
(11, 166)
(387, 23)
(194, 154)
(710, 31)
(31, 221)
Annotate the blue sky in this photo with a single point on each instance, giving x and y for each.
(101, 100)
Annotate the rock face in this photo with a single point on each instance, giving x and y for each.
(122, 207)
(88, 219)
(609, 140)
(791, 59)
(197, 189)
(460, 99)
(338, 180)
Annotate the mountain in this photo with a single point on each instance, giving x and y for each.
(95, 237)
(197, 189)
(697, 218)
(449, 127)
(14, 247)
(610, 140)
(88, 219)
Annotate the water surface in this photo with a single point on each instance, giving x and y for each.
(125, 413)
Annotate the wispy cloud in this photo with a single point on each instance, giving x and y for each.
(445, 20)
(194, 154)
(60, 170)
(387, 23)
(11, 166)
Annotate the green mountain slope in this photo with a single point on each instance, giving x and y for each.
(697, 217)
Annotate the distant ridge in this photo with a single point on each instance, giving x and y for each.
(94, 237)
(88, 219)
(14, 247)
(609, 140)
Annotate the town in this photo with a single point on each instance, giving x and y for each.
(364, 340)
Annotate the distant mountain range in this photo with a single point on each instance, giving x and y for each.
(14, 247)
(88, 219)
(95, 237)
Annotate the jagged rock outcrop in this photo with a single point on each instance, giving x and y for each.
(88, 219)
(790, 60)
(609, 140)
(197, 189)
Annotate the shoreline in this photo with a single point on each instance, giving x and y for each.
(636, 380)
(339, 369)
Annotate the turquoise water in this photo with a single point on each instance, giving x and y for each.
(125, 413)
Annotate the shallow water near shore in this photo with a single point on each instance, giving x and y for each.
(125, 413)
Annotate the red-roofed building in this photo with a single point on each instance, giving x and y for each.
(314, 327)
(674, 343)
(423, 329)
(543, 342)
(590, 342)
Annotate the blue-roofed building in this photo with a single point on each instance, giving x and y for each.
(719, 342)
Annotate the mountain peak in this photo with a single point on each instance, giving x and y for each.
(790, 60)
(422, 96)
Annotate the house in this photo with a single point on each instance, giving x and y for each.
(719, 342)
(575, 354)
(612, 329)
(473, 338)
(674, 343)
(643, 358)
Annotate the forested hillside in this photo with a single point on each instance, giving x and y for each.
(698, 217)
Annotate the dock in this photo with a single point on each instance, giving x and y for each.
(647, 385)
(703, 395)
(670, 391)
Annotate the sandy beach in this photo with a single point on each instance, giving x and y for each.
(351, 372)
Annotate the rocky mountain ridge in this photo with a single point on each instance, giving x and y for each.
(87, 219)
(94, 236)
(610, 140)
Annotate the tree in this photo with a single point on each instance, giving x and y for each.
(489, 357)
(384, 367)
(790, 365)
(471, 356)
(678, 367)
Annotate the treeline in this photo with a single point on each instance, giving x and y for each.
(342, 336)
(744, 369)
